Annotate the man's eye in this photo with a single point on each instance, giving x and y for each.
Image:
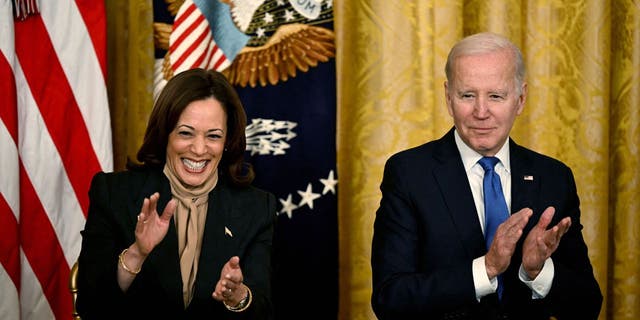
(496, 97)
(467, 95)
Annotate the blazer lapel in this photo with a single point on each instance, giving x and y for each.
(216, 249)
(454, 184)
(525, 190)
(525, 184)
(164, 257)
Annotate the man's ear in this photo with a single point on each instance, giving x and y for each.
(447, 98)
(522, 98)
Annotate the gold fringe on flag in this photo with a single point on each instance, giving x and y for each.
(24, 8)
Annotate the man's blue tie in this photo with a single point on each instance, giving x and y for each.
(495, 207)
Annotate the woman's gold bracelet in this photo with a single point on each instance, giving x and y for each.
(244, 303)
(124, 266)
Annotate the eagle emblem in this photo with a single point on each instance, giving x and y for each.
(252, 42)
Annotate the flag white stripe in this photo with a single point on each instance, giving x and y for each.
(181, 28)
(10, 170)
(70, 38)
(6, 30)
(211, 50)
(158, 78)
(33, 303)
(192, 57)
(226, 63)
(49, 177)
(206, 51)
(9, 309)
(216, 56)
(183, 48)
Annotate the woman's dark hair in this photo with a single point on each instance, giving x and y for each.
(180, 91)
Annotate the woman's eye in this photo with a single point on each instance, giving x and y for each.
(184, 133)
(215, 136)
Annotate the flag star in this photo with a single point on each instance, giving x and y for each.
(283, 145)
(268, 17)
(276, 136)
(268, 125)
(288, 15)
(290, 135)
(264, 147)
(288, 206)
(280, 2)
(307, 197)
(329, 3)
(260, 32)
(329, 184)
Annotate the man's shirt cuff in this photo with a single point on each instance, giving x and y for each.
(483, 285)
(541, 285)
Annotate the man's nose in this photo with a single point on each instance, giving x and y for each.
(481, 108)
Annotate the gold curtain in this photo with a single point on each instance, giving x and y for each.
(130, 74)
(583, 60)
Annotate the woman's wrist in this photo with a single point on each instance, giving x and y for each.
(243, 304)
(123, 263)
(131, 260)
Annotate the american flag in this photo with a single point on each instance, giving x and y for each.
(193, 41)
(55, 134)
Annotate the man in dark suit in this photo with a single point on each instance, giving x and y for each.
(472, 225)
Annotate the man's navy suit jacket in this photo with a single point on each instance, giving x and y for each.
(427, 233)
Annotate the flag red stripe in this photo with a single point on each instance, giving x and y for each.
(58, 107)
(219, 62)
(174, 45)
(9, 242)
(42, 249)
(212, 53)
(196, 44)
(94, 17)
(211, 50)
(204, 54)
(8, 110)
(187, 52)
(181, 17)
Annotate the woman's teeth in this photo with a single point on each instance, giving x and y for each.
(193, 165)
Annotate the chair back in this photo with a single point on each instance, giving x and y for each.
(73, 287)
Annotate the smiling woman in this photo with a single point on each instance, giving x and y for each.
(184, 232)
(196, 144)
(197, 86)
